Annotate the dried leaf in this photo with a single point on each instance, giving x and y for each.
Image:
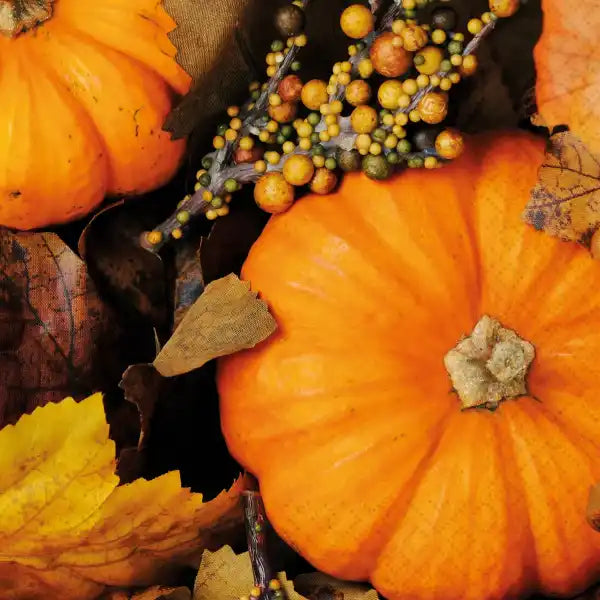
(157, 592)
(567, 59)
(227, 317)
(67, 531)
(53, 326)
(189, 283)
(131, 277)
(566, 201)
(224, 575)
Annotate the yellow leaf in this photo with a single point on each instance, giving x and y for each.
(566, 200)
(226, 318)
(67, 531)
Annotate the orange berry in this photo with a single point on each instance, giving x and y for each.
(413, 37)
(433, 107)
(364, 119)
(314, 94)
(273, 194)
(323, 182)
(357, 21)
(298, 169)
(290, 88)
(388, 59)
(449, 144)
(284, 113)
(504, 8)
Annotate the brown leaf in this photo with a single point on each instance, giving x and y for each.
(142, 386)
(227, 317)
(56, 335)
(131, 277)
(157, 592)
(318, 586)
(566, 201)
(189, 283)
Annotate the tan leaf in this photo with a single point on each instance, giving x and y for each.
(67, 531)
(227, 317)
(223, 575)
(567, 59)
(566, 201)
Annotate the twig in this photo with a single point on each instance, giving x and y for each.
(257, 526)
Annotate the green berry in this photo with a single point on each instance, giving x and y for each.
(403, 146)
(296, 65)
(455, 47)
(360, 46)
(255, 95)
(183, 217)
(331, 163)
(349, 160)
(314, 138)
(222, 128)
(445, 66)
(287, 131)
(379, 135)
(415, 163)
(204, 180)
(314, 118)
(217, 202)
(318, 150)
(393, 158)
(207, 162)
(231, 185)
(277, 46)
(419, 60)
(376, 167)
(280, 138)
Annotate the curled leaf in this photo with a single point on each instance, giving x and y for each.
(53, 326)
(566, 200)
(567, 60)
(227, 317)
(67, 531)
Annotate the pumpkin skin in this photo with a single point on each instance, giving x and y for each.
(83, 98)
(366, 463)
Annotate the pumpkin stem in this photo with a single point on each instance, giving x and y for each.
(490, 365)
(17, 16)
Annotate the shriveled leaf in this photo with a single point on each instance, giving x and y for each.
(189, 282)
(567, 59)
(227, 317)
(67, 531)
(224, 575)
(156, 592)
(56, 335)
(131, 277)
(566, 200)
(142, 386)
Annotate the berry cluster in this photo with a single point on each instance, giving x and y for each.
(382, 109)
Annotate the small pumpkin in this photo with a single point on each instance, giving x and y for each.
(85, 87)
(388, 446)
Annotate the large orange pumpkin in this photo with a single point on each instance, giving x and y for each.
(367, 459)
(83, 97)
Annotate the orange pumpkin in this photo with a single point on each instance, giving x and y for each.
(369, 461)
(83, 97)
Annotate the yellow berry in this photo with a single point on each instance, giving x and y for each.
(218, 142)
(231, 135)
(318, 161)
(223, 211)
(207, 195)
(434, 80)
(423, 80)
(449, 144)
(414, 116)
(487, 17)
(274, 584)
(365, 68)
(270, 58)
(288, 147)
(475, 26)
(264, 136)
(301, 40)
(298, 169)
(445, 84)
(397, 26)
(271, 71)
(314, 94)
(274, 195)
(438, 36)
(177, 233)
(375, 149)
(246, 143)
(272, 126)
(331, 119)
(430, 162)
(337, 68)
(388, 120)
(391, 141)
(200, 173)
(344, 78)
(357, 21)
(410, 87)
(363, 141)
(456, 59)
(428, 60)
(297, 122)
(454, 77)
(358, 92)
(469, 65)
(305, 129)
(346, 66)
(260, 166)
(331, 89)
(364, 119)
(399, 131)
(275, 100)
(459, 37)
(324, 136)
(197, 187)
(404, 101)
(255, 85)
(352, 50)
(409, 4)
(211, 214)
(273, 158)
(401, 118)
(233, 111)
(413, 37)
(336, 107)
(305, 144)
(333, 130)
(388, 94)
(397, 42)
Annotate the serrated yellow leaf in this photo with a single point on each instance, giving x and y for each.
(67, 531)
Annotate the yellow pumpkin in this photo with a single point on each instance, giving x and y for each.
(85, 86)
(354, 416)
